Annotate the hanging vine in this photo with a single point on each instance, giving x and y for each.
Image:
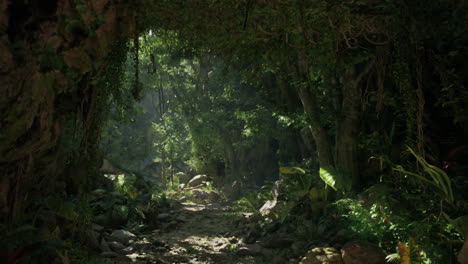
(136, 82)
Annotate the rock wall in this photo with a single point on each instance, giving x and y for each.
(51, 54)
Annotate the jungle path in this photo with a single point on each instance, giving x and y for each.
(197, 233)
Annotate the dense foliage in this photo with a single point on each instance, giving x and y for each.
(358, 107)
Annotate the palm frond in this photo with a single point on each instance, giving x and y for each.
(393, 258)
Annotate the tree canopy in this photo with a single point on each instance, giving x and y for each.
(354, 106)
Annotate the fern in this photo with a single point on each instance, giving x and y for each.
(393, 258)
(438, 177)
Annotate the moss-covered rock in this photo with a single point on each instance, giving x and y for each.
(322, 255)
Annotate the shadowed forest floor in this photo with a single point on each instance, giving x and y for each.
(196, 233)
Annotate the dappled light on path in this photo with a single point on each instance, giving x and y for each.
(195, 233)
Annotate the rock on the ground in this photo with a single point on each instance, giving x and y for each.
(109, 254)
(357, 252)
(158, 243)
(142, 228)
(175, 204)
(252, 233)
(163, 216)
(278, 240)
(272, 208)
(92, 238)
(197, 180)
(122, 260)
(116, 246)
(181, 219)
(213, 197)
(104, 246)
(101, 219)
(199, 195)
(122, 236)
(279, 260)
(129, 250)
(299, 248)
(251, 250)
(322, 255)
(268, 207)
(278, 191)
(96, 227)
(183, 177)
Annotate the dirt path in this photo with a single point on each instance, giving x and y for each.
(195, 233)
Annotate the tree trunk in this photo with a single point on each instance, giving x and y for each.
(347, 130)
(163, 167)
(319, 133)
(324, 149)
(285, 93)
(172, 167)
(38, 99)
(232, 162)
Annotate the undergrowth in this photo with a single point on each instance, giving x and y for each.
(387, 216)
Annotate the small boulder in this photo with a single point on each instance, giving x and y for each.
(213, 197)
(158, 243)
(357, 252)
(197, 180)
(101, 219)
(199, 195)
(278, 240)
(129, 250)
(272, 208)
(97, 228)
(322, 255)
(163, 216)
(278, 191)
(268, 207)
(116, 246)
(92, 239)
(122, 236)
(109, 254)
(250, 250)
(142, 228)
(181, 219)
(104, 246)
(183, 177)
(280, 260)
(299, 248)
(252, 234)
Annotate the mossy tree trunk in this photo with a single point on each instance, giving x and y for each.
(345, 144)
(51, 56)
(347, 125)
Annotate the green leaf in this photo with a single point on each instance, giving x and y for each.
(327, 174)
(335, 178)
(292, 170)
(438, 177)
(393, 258)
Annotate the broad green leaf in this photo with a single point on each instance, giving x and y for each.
(291, 170)
(328, 175)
